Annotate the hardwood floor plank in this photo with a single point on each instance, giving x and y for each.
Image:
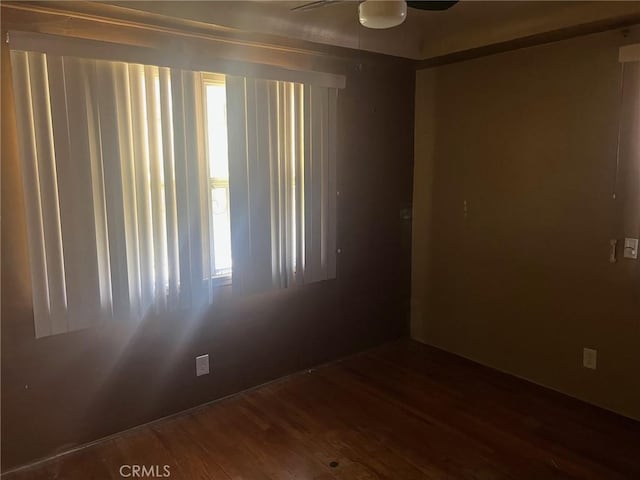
(343, 446)
(191, 457)
(224, 447)
(463, 417)
(403, 411)
(143, 448)
(436, 449)
(552, 419)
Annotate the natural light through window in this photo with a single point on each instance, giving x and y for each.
(216, 112)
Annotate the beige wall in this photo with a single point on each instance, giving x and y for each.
(522, 282)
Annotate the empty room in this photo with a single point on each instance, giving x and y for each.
(323, 240)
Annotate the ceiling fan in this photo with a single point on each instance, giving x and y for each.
(382, 13)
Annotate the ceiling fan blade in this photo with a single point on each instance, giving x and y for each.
(313, 5)
(432, 4)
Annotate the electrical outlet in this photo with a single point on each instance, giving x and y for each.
(589, 358)
(202, 365)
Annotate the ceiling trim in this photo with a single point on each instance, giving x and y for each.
(530, 41)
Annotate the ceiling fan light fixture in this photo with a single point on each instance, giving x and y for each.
(382, 13)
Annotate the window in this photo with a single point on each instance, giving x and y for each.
(141, 180)
(218, 160)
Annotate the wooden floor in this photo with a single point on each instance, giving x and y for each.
(403, 411)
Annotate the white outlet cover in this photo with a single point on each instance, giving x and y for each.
(202, 365)
(630, 248)
(589, 358)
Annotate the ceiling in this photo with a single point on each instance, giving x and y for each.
(424, 35)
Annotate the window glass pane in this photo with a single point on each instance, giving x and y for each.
(219, 177)
(221, 231)
(217, 131)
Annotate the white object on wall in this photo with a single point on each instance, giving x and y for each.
(631, 248)
(202, 365)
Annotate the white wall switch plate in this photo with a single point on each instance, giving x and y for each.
(589, 358)
(613, 250)
(631, 248)
(202, 365)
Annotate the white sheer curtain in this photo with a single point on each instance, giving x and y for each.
(282, 183)
(115, 186)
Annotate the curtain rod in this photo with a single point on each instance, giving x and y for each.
(186, 28)
(101, 50)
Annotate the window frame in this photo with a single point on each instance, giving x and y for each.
(209, 79)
